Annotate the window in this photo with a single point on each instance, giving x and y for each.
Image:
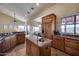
(28, 29)
(21, 28)
(69, 28)
(5, 27)
(77, 28)
(77, 24)
(63, 28)
(63, 21)
(70, 24)
(10, 26)
(67, 25)
(1, 26)
(36, 29)
(16, 27)
(70, 20)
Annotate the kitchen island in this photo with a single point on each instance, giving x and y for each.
(38, 46)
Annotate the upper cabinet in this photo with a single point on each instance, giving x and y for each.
(48, 25)
(48, 18)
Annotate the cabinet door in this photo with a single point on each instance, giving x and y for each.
(54, 43)
(48, 30)
(71, 51)
(12, 41)
(59, 43)
(28, 47)
(7, 43)
(45, 51)
(34, 50)
(72, 46)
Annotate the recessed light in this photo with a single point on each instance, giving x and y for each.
(37, 4)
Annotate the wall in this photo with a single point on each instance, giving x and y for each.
(7, 20)
(60, 10)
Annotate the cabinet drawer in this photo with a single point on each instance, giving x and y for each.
(72, 40)
(72, 45)
(71, 51)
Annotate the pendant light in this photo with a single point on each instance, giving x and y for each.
(14, 18)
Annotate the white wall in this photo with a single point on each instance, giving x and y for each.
(5, 19)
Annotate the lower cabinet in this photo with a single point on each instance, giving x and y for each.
(71, 51)
(8, 43)
(72, 47)
(58, 43)
(67, 44)
(20, 38)
(13, 41)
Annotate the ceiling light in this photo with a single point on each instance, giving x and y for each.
(25, 15)
(37, 4)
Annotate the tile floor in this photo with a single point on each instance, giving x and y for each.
(20, 50)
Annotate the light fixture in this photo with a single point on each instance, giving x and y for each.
(25, 15)
(28, 12)
(37, 4)
(32, 8)
(14, 18)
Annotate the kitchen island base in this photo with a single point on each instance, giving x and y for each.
(34, 50)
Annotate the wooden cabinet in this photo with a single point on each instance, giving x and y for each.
(48, 25)
(28, 47)
(31, 48)
(20, 37)
(71, 51)
(67, 44)
(72, 46)
(34, 50)
(45, 51)
(8, 43)
(58, 42)
(13, 41)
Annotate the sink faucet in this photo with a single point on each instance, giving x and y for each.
(37, 38)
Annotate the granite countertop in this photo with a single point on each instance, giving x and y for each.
(5, 36)
(70, 37)
(34, 39)
(1, 38)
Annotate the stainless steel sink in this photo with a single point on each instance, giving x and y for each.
(41, 40)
